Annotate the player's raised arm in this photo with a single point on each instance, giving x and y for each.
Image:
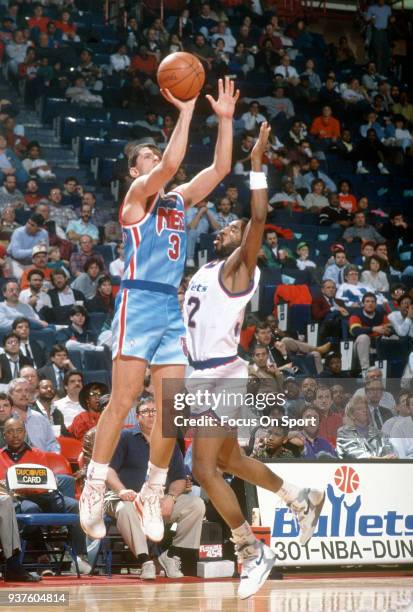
(162, 170)
(205, 181)
(240, 266)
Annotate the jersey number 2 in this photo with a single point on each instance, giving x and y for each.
(174, 250)
(195, 303)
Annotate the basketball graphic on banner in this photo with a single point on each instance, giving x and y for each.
(346, 479)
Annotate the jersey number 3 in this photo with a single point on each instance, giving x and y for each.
(195, 303)
(174, 250)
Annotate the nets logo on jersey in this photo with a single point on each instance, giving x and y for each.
(343, 515)
(169, 219)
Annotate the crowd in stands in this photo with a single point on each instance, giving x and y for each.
(337, 250)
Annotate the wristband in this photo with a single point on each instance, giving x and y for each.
(258, 180)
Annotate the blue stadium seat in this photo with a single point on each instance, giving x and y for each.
(299, 317)
(101, 376)
(76, 358)
(94, 360)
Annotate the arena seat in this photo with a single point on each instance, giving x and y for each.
(70, 448)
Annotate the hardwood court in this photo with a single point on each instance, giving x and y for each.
(316, 594)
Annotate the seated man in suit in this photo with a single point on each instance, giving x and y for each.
(32, 349)
(126, 475)
(12, 360)
(57, 367)
(379, 414)
(326, 312)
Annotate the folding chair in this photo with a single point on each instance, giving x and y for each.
(36, 480)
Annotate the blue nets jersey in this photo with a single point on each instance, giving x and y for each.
(155, 247)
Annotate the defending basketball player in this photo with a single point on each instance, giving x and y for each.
(147, 327)
(213, 313)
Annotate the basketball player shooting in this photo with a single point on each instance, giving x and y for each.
(148, 327)
(213, 312)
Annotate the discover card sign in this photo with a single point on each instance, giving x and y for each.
(367, 516)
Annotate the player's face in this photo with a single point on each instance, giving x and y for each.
(228, 239)
(145, 162)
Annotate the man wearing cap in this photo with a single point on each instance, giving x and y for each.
(40, 258)
(23, 239)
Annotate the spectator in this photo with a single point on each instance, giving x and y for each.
(33, 350)
(126, 475)
(315, 446)
(242, 155)
(24, 239)
(39, 261)
(333, 369)
(117, 266)
(12, 308)
(69, 405)
(379, 414)
(10, 193)
(252, 119)
(271, 254)
(372, 152)
(278, 106)
(378, 16)
(18, 451)
(77, 332)
(326, 312)
(373, 276)
(288, 72)
(83, 226)
(89, 399)
(330, 421)
(58, 213)
(7, 225)
(264, 377)
(45, 406)
(80, 94)
(335, 271)
(401, 434)
(30, 374)
(225, 216)
(326, 127)
(397, 229)
(10, 163)
(35, 295)
(103, 300)
(314, 173)
(359, 438)
(303, 254)
(120, 61)
(200, 219)
(275, 443)
(55, 370)
(79, 259)
(351, 292)
(347, 200)
(367, 325)
(39, 430)
(387, 400)
(202, 50)
(333, 215)
(316, 201)
(87, 282)
(361, 230)
(63, 297)
(11, 361)
(402, 319)
(288, 198)
(35, 166)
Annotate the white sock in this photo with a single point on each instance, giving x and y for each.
(243, 534)
(380, 165)
(156, 476)
(288, 492)
(359, 164)
(97, 471)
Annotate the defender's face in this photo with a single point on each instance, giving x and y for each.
(145, 162)
(228, 239)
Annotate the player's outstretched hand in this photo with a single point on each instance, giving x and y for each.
(181, 105)
(260, 146)
(224, 107)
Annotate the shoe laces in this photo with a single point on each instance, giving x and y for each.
(94, 496)
(245, 551)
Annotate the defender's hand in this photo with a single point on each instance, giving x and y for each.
(224, 107)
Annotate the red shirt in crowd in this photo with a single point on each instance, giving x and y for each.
(328, 426)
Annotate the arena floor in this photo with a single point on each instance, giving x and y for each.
(356, 593)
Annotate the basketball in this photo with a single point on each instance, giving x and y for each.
(346, 479)
(181, 73)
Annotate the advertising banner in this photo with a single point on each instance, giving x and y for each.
(367, 516)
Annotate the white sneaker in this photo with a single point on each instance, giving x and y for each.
(307, 507)
(362, 170)
(383, 170)
(257, 561)
(148, 571)
(91, 509)
(84, 567)
(147, 505)
(171, 565)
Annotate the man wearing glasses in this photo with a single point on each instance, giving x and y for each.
(126, 475)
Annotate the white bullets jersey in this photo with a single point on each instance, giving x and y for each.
(213, 317)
